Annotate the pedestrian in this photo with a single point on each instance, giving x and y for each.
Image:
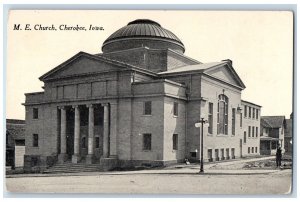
(278, 157)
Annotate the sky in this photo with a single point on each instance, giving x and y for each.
(260, 44)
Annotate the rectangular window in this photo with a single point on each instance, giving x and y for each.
(227, 153)
(217, 154)
(253, 113)
(97, 142)
(249, 112)
(245, 137)
(245, 111)
(255, 149)
(249, 131)
(256, 131)
(147, 108)
(210, 118)
(248, 150)
(252, 149)
(147, 141)
(252, 131)
(241, 120)
(175, 109)
(175, 141)
(232, 153)
(35, 141)
(256, 113)
(233, 121)
(35, 114)
(209, 155)
(222, 154)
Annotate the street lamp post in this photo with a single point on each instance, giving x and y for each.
(198, 125)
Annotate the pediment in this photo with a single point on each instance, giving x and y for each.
(225, 73)
(82, 64)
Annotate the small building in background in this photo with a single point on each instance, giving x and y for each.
(250, 124)
(288, 135)
(272, 134)
(15, 142)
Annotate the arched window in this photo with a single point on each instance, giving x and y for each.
(222, 124)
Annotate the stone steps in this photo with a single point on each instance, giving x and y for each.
(73, 168)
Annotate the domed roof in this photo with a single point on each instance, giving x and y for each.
(144, 28)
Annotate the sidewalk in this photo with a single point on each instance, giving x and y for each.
(178, 169)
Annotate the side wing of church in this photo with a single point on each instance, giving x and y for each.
(137, 103)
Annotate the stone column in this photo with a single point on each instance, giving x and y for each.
(105, 130)
(76, 157)
(62, 157)
(113, 131)
(90, 156)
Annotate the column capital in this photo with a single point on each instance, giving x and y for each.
(90, 105)
(61, 107)
(104, 104)
(75, 106)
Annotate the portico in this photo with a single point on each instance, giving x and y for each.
(95, 130)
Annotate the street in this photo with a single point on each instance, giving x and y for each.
(173, 180)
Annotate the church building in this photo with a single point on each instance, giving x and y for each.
(137, 103)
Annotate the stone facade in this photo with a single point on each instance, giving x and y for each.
(135, 106)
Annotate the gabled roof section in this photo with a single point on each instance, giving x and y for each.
(16, 128)
(273, 121)
(92, 65)
(220, 70)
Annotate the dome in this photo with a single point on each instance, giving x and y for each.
(142, 32)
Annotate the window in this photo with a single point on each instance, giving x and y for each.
(249, 131)
(252, 131)
(210, 118)
(255, 149)
(193, 154)
(222, 154)
(209, 155)
(232, 153)
(241, 120)
(83, 142)
(175, 141)
(256, 113)
(252, 149)
(35, 141)
(248, 150)
(249, 112)
(35, 113)
(245, 111)
(147, 141)
(233, 121)
(256, 131)
(253, 115)
(222, 123)
(147, 108)
(175, 109)
(217, 154)
(227, 153)
(245, 136)
(97, 142)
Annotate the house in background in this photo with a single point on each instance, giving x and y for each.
(250, 125)
(272, 134)
(288, 135)
(15, 142)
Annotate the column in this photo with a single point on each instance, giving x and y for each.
(76, 157)
(63, 135)
(90, 156)
(105, 130)
(113, 131)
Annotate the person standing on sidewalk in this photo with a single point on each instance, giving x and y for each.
(278, 157)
